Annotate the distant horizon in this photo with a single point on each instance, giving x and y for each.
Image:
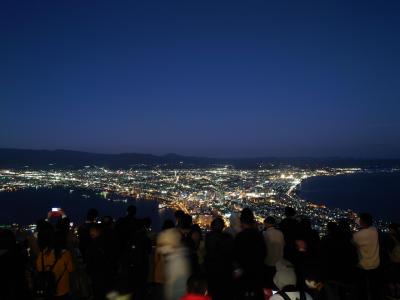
(226, 157)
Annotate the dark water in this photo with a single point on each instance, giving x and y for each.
(377, 193)
(27, 206)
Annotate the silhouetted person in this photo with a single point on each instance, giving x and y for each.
(127, 226)
(391, 274)
(338, 255)
(394, 243)
(289, 224)
(176, 263)
(367, 242)
(179, 214)
(197, 237)
(13, 263)
(249, 253)
(323, 289)
(285, 280)
(83, 230)
(309, 235)
(234, 225)
(185, 227)
(159, 262)
(289, 228)
(99, 262)
(54, 258)
(275, 243)
(168, 224)
(219, 261)
(134, 261)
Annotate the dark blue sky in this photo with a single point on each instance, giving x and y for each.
(202, 77)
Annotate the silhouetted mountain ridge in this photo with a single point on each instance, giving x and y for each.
(20, 158)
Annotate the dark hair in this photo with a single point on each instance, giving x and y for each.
(290, 211)
(332, 228)
(196, 284)
(247, 217)
(395, 228)
(131, 210)
(107, 221)
(63, 224)
(186, 221)
(46, 239)
(92, 214)
(147, 222)
(179, 214)
(217, 225)
(366, 219)
(305, 223)
(42, 224)
(60, 242)
(196, 228)
(270, 220)
(168, 223)
(344, 229)
(96, 226)
(313, 272)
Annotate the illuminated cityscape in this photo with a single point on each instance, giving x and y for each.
(204, 193)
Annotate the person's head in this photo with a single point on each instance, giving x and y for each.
(332, 228)
(366, 220)
(168, 223)
(285, 275)
(131, 210)
(63, 224)
(92, 215)
(195, 233)
(196, 285)
(394, 230)
(60, 241)
(46, 238)
(313, 276)
(95, 231)
(290, 212)
(186, 222)
(147, 223)
(247, 218)
(107, 221)
(217, 225)
(168, 241)
(269, 222)
(178, 216)
(42, 224)
(344, 228)
(305, 223)
(234, 222)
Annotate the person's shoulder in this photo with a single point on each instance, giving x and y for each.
(276, 297)
(274, 230)
(66, 255)
(308, 297)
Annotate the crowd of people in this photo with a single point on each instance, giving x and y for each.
(124, 259)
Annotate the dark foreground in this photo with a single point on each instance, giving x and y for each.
(125, 259)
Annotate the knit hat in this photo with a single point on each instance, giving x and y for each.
(285, 274)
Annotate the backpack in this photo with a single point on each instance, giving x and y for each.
(45, 282)
(286, 296)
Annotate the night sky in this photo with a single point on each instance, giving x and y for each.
(202, 77)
